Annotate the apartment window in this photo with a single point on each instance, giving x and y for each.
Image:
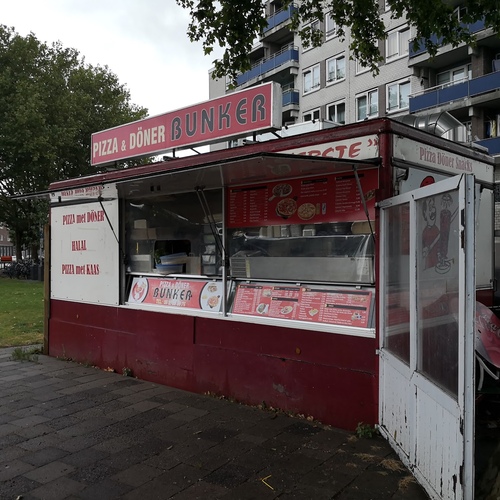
(336, 112)
(311, 79)
(397, 43)
(314, 26)
(330, 26)
(460, 12)
(360, 68)
(336, 68)
(454, 75)
(311, 115)
(367, 105)
(398, 95)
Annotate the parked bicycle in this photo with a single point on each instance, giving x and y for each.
(19, 270)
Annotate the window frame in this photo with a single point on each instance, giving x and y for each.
(311, 70)
(367, 95)
(312, 25)
(402, 46)
(336, 58)
(312, 112)
(335, 105)
(399, 84)
(330, 32)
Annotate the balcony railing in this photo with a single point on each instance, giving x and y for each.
(473, 28)
(290, 96)
(493, 145)
(287, 54)
(279, 17)
(438, 96)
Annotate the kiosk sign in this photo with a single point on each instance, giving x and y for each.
(238, 114)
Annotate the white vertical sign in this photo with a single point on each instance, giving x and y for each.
(85, 252)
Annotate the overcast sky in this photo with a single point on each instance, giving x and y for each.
(143, 42)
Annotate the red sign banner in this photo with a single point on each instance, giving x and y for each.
(312, 304)
(333, 198)
(233, 115)
(204, 295)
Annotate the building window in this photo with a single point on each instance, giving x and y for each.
(455, 75)
(311, 115)
(397, 43)
(336, 68)
(460, 12)
(330, 26)
(311, 79)
(398, 95)
(336, 112)
(360, 68)
(314, 26)
(367, 105)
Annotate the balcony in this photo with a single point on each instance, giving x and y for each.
(473, 28)
(287, 54)
(493, 145)
(438, 96)
(290, 97)
(279, 17)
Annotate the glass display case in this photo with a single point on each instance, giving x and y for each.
(327, 252)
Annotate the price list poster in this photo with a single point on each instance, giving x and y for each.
(311, 304)
(332, 198)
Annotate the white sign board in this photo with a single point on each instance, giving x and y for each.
(360, 148)
(439, 159)
(85, 252)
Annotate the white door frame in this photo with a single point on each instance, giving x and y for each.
(410, 402)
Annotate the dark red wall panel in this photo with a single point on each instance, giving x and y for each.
(328, 376)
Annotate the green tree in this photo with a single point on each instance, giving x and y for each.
(50, 104)
(235, 25)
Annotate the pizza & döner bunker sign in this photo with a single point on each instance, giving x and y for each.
(233, 115)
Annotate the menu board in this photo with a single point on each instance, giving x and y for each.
(332, 198)
(336, 306)
(204, 295)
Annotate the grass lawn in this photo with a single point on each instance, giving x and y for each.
(21, 312)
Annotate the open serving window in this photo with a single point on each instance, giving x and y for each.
(277, 236)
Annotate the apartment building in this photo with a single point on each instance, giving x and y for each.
(327, 83)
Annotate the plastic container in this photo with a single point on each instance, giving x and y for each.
(169, 268)
(174, 258)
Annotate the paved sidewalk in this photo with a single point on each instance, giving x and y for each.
(68, 431)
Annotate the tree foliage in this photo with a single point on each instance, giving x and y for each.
(235, 25)
(50, 104)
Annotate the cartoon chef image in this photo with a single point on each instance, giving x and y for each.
(430, 234)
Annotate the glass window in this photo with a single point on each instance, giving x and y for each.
(398, 96)
(311, 79)
(397, 278)
(311, 115)
(360, 68)
(397, 43)
(336, 68)
(336, 112)
(455, 75)
(330, 26)
(163, 230)
(367, 105)
(438, 246)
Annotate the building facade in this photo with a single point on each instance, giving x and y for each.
(327, 84)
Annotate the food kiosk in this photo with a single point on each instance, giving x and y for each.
(250, 272)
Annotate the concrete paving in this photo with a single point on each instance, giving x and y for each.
(70, 431)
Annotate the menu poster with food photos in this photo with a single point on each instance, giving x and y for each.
(191, 294)
(313, 304)
(332, 198)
